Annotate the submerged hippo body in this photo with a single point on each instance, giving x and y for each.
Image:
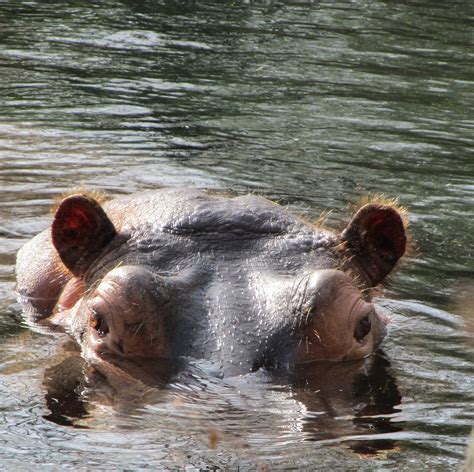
(238, 281)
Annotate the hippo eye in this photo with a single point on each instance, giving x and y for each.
(98, 323)
(362, 329)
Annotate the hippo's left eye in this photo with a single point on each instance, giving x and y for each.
(362, 329)
(98, 323)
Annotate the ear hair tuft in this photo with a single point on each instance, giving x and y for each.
(98, 195)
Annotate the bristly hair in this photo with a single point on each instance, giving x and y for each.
(381, 199)
(322, 219)
(98, 195)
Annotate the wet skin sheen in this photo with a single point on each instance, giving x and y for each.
(239, 281)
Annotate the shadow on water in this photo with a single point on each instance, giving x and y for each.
(335, 400)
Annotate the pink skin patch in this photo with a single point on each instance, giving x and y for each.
(72, 292)
(385, 318)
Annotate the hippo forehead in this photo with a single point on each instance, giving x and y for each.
(195, 213)
(204, 230)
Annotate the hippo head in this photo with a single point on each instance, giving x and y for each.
(236, 281)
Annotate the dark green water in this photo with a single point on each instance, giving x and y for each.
(312, 104)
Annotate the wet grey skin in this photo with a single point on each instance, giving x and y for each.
(171, 274)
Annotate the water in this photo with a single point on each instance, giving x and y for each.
(312, 104)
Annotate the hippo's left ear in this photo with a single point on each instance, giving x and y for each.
(80, 230)
(374, 240)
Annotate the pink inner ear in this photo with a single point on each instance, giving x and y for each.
(80, 230)
(385, 231)
(73, 225)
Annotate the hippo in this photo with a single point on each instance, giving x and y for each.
(174, 274)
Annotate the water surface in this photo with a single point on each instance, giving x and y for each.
(312, 104)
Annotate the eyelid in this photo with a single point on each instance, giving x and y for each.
(90, 307)
(93, 310)
(369, 311)
(360, 309)
(98, 322)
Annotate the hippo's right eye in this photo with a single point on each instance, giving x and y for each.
(362, 329)
(98, 323)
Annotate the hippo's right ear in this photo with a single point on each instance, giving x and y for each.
(80, 230)
(375, 240)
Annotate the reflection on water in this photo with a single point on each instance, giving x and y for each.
(351, 390)
(318, 402)
(312, 104)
